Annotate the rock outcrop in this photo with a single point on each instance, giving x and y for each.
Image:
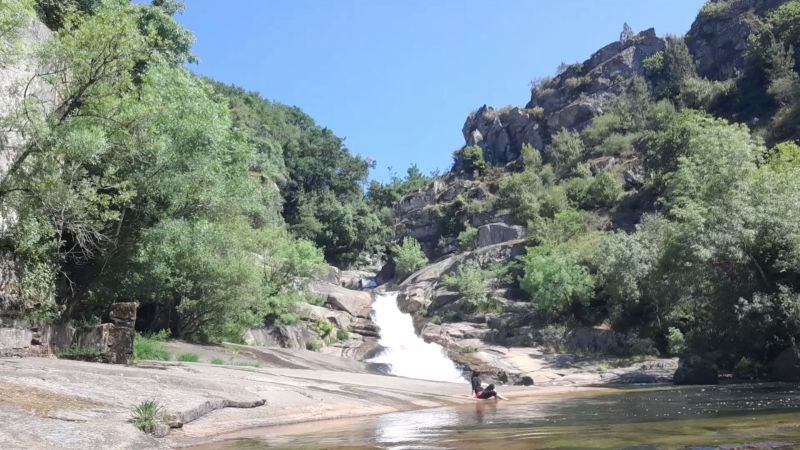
(345, 309)
(718, 38)
(570, 100)
(502, 133)
(495, 233)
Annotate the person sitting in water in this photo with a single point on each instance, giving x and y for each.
(478, 391)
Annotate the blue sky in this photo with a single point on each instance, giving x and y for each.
(398, 78)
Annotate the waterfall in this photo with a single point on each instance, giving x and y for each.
(404, 352)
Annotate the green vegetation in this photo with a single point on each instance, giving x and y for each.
(150, 348)
(468, 239)
(83, 353)
(148, 415)
(408, 257)
(217, 361)
(324, 328)
(475, 284)
(473, 161)
(342, 335)
(314, 346)
(189, 357)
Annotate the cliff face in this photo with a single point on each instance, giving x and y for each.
(570, 100)
(718, 38)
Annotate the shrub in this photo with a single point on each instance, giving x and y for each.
(617, 144)
(565, 151)
(700, 93)
(472, 158)
(519, 192)
(150, 347)
(342, 335)
(554, 280)
(468, 239)
(468, 349)
(601, 128)
(217, 361)
(469, 281)
(314, 346)
(324, 328)
(189, 357)
(716, 8)
(408, 257)
(676, 343)
(83, 353)
(531, 157)
(604, 191)
(575, 83)
(148, 415)
(654, 64)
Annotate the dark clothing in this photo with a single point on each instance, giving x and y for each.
(487, 394)
(476, 385)
(479, 392)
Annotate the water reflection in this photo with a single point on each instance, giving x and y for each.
(666, 418)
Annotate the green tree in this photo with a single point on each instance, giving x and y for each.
(555, 281)
(408, 257)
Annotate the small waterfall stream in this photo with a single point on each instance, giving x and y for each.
(407, 354)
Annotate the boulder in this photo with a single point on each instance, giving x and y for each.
(356, 279)
(695, 370)
(355, 303)
(495, 233)
(414, 299)
(307, 311)
(786, 366)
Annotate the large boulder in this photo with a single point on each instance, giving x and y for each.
(495, 233)
(786, 366)
(695, 370)
(356, 279)
(355, 303)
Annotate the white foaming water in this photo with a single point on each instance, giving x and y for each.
(405, 352)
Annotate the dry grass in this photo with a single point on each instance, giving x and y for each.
(40, 402)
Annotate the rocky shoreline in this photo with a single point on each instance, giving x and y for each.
(70, 404)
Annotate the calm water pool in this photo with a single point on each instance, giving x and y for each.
(697, 417)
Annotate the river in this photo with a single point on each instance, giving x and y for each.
(667, 418)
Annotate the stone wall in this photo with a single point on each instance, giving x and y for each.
(115, 339)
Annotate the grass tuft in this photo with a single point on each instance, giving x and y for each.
(150, 347)
(148, 415)
(189, 357)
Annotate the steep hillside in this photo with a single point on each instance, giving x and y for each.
(616, 214)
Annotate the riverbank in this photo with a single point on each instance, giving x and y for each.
(70, 404)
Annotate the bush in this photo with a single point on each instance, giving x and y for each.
(217, 361)
(342, 335)
(324, 328)
(636, 346)
(531, 157)
(617, 145)
(554, 280)
(189, 357)
(783, 157)
(565, 151)
(468, 239)
(314, 346)
(700, 93)
(468, 349)
(603, 192)
(408, 257)
(150, 347)
(471, 282)
(148, 415)
(519, 192)
(676, 343)
(473, 161)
